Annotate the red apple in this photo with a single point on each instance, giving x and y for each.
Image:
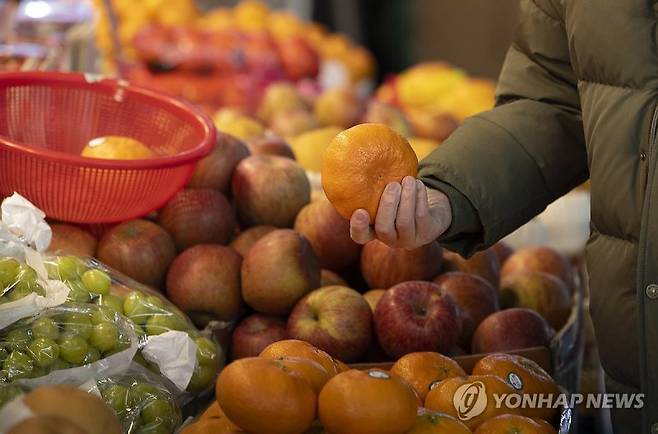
(329, 278)
(71, 240)
(511, 329)
(198, 216)
(271, 145)
(335, 319)
(216, 169)
(329, 234)
(475, 298)
(416, 316)
(542, 292)
(502, 251)
(373, 296)
(246, 239)
(270, 190)
(278, 271)
(485, 264)
(540, 258)
(140, 249)
(204, 282)
(256, 332)
(383, 266)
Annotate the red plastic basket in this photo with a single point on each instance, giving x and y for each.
(46, 119)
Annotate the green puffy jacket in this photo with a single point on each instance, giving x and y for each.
(577, 97)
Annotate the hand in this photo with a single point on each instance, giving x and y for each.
(410, 215)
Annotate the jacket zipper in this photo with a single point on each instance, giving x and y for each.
(652, 143)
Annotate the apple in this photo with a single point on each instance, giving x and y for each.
(485, 264)
(432, 125)
(340, 107)
(416, 316)
(215, 170)
(71, 240)
(540, 258)
(329, 278)
(278, 271)
(269, 190)
(373, 296)
(475, 297)
(542, 292)
(291, 123)
(298, 57)
(502, 251)
(256, 332)
(511, 329)
(335, 319)
(140, 249)
(279, 96)
(383, 266)
(204, 282)
(381, 113)
(246, 239)
(329, 235)
(198, 216)
(271, 145)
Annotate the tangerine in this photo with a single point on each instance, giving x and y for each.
(311, 371)
(470, 399)
(423, 369)
(525, 376)
(367, 402)
(261, 396)
(437, 423)
(297, 348)
(514, 424)
(359, 163)
(211, 426)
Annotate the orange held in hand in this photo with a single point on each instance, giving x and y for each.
(261, 396)
(359, 163)
(367, 402)
(423, 369)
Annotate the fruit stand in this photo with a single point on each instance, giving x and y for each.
(176, 252)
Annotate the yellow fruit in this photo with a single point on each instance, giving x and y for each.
(309, 146)
(243, 127)
(426, 84)
(117, 148)
(422, 146)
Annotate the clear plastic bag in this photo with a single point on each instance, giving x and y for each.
(144, 402)
(71, 343)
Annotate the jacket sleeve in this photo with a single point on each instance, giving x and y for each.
(504, 166)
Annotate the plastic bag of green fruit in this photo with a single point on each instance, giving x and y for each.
(71, 343)
(144, 401)
(169, 343)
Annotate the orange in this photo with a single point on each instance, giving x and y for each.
(211, 426)
(261, 396)
(525, 376)
(423, 369)
(339, 107)
(213, 412)
(470, 399)
(117, 148)
(437, 423)
(342, 367)
(309, 370)
(367, 402)
(297, 348)
(514, 424)
(359, 162)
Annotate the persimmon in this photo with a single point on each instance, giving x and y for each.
(262, 396)
(367, 402)
(422, 369)
(359, 163)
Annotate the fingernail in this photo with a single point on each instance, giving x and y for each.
(419, 184)
(393, 187)
(408, 181)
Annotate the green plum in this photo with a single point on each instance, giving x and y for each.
(202, 378)
(139, 393)
(79, 293)
(104, 336)
(18, 365)
(96, 281)
(9, 392)
(69, 267)
(18, 338)
(93, 355)
(206, 351)
(159, 324)
(3, 354)
(78, 324)
(73, 349)
(137, 308)
(158, 410)
(9, 268)
(59, 364)
(113, 302)
(116, 396)
(45, 327)
(44, 351)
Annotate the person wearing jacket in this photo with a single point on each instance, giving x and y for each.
(577, 98)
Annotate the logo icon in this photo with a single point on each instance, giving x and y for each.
(470, 400)
(515, 381)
